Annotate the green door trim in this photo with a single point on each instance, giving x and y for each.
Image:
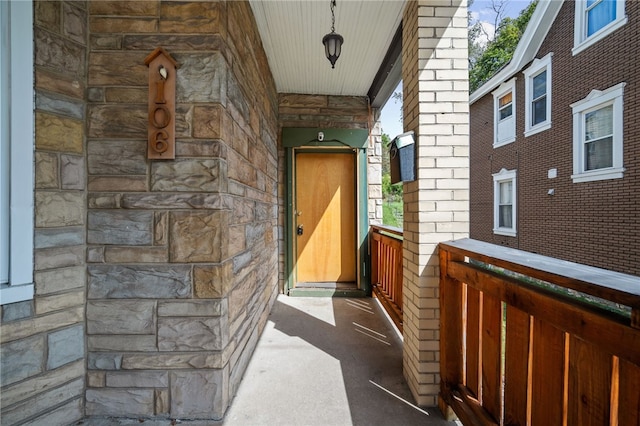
(335, 140)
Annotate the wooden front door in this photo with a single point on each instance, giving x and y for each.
(325, 218)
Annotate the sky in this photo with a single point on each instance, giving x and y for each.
(391, 114)
(481, 11)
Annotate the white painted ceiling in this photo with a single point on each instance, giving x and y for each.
(292, 32)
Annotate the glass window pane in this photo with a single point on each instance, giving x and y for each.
(599, 154)
(540, 84)
(599, 124)
(5, 145)
(505, 219)
(506, 99)
(600, 15)
(506, 112)
(539, 111)
(505, 192)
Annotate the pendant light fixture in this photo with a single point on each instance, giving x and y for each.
(332, 41)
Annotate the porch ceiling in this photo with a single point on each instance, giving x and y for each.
(292, 34)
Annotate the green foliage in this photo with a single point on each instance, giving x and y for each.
(386, 185)
(475, 32)
(475, 48)
(500, 50)
(390, 191)
(392, 214)
(386, 140)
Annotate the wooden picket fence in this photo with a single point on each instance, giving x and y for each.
(386, 269)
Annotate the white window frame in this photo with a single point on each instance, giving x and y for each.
(505, 88)
(538, 66)
(580, 39)
(498, 178)
(16, 166)
(594, 101)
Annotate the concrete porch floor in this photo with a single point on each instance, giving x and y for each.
(323, 361)
(327, 361)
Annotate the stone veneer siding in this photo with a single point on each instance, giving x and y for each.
(182, 254)
(42, 352)
(374, 174)
(172, 317)
(436, 205)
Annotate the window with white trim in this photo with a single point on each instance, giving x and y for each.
(597, 135)
(537, 108)
(16, 151)
(504, 113)
(595, 19)
(504, 202)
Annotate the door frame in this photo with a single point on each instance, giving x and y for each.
(297, 140)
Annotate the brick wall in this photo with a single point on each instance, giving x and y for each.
(435, 105)
(182, 253)
(42, 351)
(594, 223)
(411, 355)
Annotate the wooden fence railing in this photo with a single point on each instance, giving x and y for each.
(386, 269)
(514, 351)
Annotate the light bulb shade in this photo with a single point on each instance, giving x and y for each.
(332, 47)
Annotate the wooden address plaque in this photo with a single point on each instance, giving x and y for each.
(162, 105)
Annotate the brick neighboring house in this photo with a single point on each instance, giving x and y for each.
(555, 145)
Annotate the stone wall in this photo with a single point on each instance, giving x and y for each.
(324, 111)
(374, 174)
(42, 351)
(183, 257)
(436, 206)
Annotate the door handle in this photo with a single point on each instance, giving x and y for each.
(300, 230)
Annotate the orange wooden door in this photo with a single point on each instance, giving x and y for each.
(325, 217)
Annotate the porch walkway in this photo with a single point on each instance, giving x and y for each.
(327, 361)
(321, 361)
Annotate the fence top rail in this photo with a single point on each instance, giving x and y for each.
(392, 230)
(614, 286)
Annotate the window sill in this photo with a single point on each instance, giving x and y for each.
(504, 231)
(538, 128)
(598, 36)
(603, 174)
(15, 293)
(503, 143)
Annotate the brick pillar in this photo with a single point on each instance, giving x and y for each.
(436, 205)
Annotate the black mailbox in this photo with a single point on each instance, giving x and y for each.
(402, 158)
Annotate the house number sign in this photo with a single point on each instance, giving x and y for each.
(162, 105)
